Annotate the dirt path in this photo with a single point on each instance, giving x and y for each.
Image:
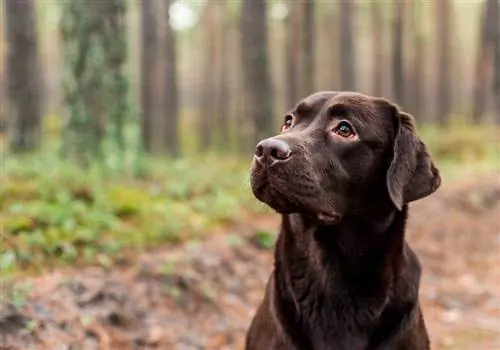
(201, 295)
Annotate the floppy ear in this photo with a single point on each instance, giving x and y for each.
(412, 174)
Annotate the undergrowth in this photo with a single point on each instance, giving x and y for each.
(53, 212)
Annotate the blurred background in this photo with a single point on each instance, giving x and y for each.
(127, 131)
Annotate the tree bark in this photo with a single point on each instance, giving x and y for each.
(258, 103)
(23, 75)
(484, 59)
(378, 49)
(397, 53)
(149, 40)
(347, 54)
(308, 48)
(171, 89)
(495, 15)
(208, 111)
(115, 43)
(418, 71)
(443, 27)
(222, 108)
(291, 54)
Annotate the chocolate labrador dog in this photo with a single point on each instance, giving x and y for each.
(341, 173)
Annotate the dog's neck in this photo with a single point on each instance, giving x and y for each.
(352, 245)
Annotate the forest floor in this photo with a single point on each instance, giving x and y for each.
(202, 294)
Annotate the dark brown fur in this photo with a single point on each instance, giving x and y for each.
(344, 276)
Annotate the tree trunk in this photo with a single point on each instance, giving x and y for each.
(397, 53)
(291, 58)
(332, 15)
(495, 15)
(115, 44)
(308, 48)
(418, 72)
(443, 27)
(223, 62)
(347, 54)
(258, 103)
(378, 49)
(95, 84)
(23, 75)
(3, 97)
(149, 40)
(208, 113)
(171, 92)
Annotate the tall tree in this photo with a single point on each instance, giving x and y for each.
(292, 21)
(223, 60)
(495, 9)
(308, 48)
(415, 96)
(207, 116)
(23, 75)
(2, 76)
(443, 27)
(258, 103)
(149, 40)
(397, 52)
(378, 49)
(485, 57)
(113, 14)
(171, 94)
(331, 15)
(347, 55)
(95, 85)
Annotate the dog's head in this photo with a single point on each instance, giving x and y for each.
(341, 154)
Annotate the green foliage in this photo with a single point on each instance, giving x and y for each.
(265, 239)
(463, 149)
(54, 212)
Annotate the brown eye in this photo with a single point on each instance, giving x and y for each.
(288, 122)
(344, 129)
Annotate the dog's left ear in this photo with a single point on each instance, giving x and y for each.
(412, 174)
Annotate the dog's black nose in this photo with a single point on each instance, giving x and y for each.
(274, 148)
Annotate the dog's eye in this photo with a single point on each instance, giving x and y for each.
(344, 129)
(288, 122)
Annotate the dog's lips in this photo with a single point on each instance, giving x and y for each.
(328, 217)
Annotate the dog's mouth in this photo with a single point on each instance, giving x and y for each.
(283, 197)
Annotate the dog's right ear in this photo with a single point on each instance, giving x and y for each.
(412, 173)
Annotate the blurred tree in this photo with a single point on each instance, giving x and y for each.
(292, 50)
(3, 96)
(332, 52)
(171, 94)
(443, 17)
(95, 85)
(414, 86)
(397, 52)
(23, 75)
(485, 58)
(308, 48)
(208, 111)
(495, 9)
(149, 41)
(113, 16)
(222, 60)
(258, 94)
(347, 55)
(378, 49)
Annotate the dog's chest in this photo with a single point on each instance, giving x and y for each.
(337, 321)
